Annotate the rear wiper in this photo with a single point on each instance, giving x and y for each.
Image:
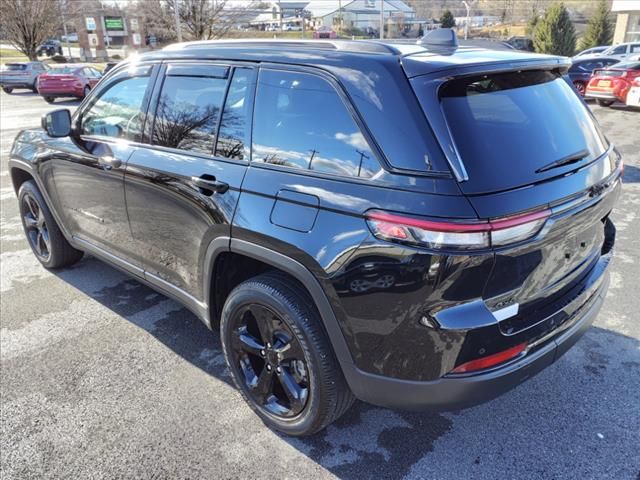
(573, 158)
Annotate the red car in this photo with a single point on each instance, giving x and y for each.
(67, 81)
(612, 84)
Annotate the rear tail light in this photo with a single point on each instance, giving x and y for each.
(491, 360)
(456, 235)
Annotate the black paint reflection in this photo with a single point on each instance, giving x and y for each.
(187, 113)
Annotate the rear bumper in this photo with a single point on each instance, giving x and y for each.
(454, 393)
(601, 95)
(57, 93)
(16, 83)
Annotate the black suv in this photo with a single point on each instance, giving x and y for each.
(416, 226)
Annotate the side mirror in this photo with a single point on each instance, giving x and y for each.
(57, 123)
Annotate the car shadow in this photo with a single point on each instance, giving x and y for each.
(631, 174)
(371, 442)
(63, 101)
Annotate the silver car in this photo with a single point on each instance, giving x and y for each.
(622, 50)
(21, 75)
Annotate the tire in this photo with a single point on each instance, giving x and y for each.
(7, 89)
(291, 310)
(580, 87)
(604, 103)
(49, 99)
(43, 234)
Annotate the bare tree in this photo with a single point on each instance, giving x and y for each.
(28, 23)
(199, 19)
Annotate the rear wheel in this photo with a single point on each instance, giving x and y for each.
(580, 87)
(280, 357)
(49, 99)
(42, 232)
(604, 103)
(7, 89)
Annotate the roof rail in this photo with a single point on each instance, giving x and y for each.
(356, 46)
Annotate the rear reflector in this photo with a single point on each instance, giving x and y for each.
(491, 360)
(456, 235)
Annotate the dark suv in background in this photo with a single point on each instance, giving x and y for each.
(416, 226)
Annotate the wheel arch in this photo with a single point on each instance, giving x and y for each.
(251, 259)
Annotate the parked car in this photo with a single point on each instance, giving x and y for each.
(324, 32)
(292, 27)
(67, 81)
(20, 75)
(612, 84)
(49, 48)
(72, 37)
(633, 96)
(108, 67)
(582, 68)
(273, 28)
(264, 195)
(591, 51)
(622, 50)
(521, 43)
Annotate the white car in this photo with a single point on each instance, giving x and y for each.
(633, 95)
(622, 50)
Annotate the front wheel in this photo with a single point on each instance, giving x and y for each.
(7, 89)
(604, 103)
(43, 234)
(280, 357)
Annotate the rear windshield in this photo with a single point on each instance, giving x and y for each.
(62, 71)
(16, 67)
(514, 125)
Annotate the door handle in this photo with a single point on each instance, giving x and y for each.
(109, 162)
(210, 183)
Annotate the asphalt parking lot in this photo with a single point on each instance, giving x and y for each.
(103, 378)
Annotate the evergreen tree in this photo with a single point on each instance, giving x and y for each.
(599, 31)
(555, 33)
(447, 20)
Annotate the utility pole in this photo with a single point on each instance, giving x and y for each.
(381, 19)
(64, 27)
(340, 12)
(466, 24)
(177, 17)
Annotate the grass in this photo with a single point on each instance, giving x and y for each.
(12, 55)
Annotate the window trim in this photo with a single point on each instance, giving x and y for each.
(150, 71)
(349, 107)
(252, 99)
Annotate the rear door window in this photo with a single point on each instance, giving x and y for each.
(509, 128)
(301, 122)
(188, 111)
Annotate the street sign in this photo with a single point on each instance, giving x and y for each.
(135, 38)
(134, 24)
(114, 23)
(93, 39)
(90, 22)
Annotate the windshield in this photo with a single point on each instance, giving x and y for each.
(509, 127)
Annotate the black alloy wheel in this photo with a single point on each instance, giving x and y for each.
(35, 226)
(43, 234)
(271, 361)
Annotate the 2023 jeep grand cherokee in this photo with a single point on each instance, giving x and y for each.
(416, 226)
